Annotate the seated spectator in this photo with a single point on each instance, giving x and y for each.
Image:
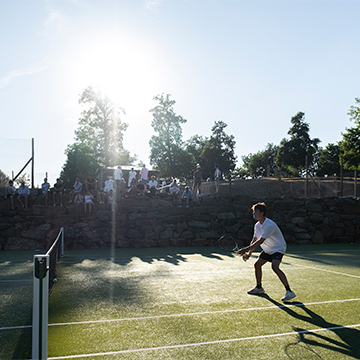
(110, 197)
(163, 186)
(187, 196)
(109, 184)
(152, 186)
(90, 183)
(78, 199)
(122, 188)
(58, 190)
(24, 194)
(141, 188)
(199, 197)
(88, 201)
(132, 175)
(174, 188)
(45, 190)
(112, 200)
(133, 187)
(77, 190)
(10, 192)
(101, 196)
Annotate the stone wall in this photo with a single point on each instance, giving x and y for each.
(144, 222)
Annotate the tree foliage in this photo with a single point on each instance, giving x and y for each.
(4, 179)
(328, 163)
(80, 163)
(350, 143)
(292, 152)
(101, 128)
(219, 150)
(167, 153)
(256, 165)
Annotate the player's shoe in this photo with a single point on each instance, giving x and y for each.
(288, 296)
(256, 291)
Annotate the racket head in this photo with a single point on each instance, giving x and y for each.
(228, 244)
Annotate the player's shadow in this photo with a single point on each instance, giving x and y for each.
(349, 336)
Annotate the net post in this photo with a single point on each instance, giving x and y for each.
(40, 306)
(62, 242)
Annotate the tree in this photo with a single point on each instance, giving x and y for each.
(80, 163)
(219, 150)
(329, 160)
(167, 153)
(291, 153)
(256, 165)
(4, 179)
(195, 145)
(101, 128)
(350, 144)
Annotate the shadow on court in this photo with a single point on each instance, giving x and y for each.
(349, 336)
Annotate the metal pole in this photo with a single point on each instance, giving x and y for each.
(307, 177)
(355, 183)
(32, 163)
(341, 177)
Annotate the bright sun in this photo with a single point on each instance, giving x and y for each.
(123, 69)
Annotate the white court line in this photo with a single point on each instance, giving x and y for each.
(185, 314)
(330, 271)
(204, 343)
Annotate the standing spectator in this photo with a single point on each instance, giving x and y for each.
(24, 194)
(88, 201)
(45, 190)
(187, 196)
(144, 175)
(77, 190)
(58, 190)
(10, 192)
(132, 175)
(117, 176)
(109, 184)
(217, 178)
(152, 186)
(197, 179)
(90, 183)
(174, 188)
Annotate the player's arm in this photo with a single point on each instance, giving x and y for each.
(253, 245)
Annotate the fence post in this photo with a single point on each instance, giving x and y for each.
(355, 183)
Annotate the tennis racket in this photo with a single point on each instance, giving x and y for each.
(228, 244)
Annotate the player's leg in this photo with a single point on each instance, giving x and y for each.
(281, 275)
(258, 289)
(275, 265)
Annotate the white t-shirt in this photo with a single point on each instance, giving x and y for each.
(153, 183)
(117, 174)
(275, 241)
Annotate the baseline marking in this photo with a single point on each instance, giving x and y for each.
(204, 343)
(184, 314)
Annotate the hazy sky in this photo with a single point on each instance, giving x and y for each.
(252, 64)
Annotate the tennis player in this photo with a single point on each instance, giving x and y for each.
(269, 237)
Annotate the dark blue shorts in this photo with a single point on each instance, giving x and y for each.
(268, 257)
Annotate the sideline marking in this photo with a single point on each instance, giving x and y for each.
(204, 343)
(185, 314)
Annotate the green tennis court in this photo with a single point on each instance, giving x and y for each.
(187, 303)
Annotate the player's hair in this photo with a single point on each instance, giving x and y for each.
(261, 207)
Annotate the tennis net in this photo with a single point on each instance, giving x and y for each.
(45, 277)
